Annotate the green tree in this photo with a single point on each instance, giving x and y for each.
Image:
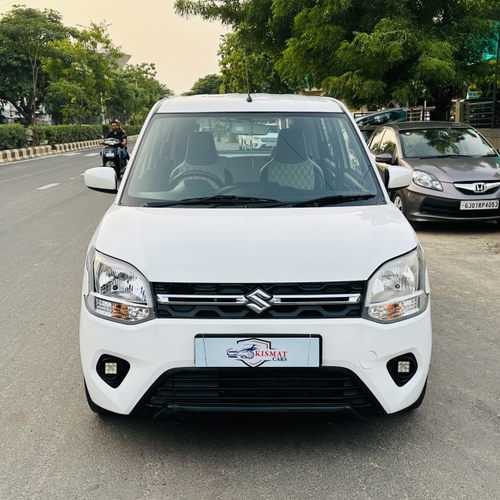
(209, 84)
(25, 36)
(424, 50)
(82, 75)
(254, 46)
(134, 91)
(366, 52)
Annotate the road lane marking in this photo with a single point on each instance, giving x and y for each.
(71, 154)
(49, 186)
(92, 154)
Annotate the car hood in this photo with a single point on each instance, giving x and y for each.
(457, 169)
(255, 245)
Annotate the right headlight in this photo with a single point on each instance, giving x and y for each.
(117, 291)
(426, 180)
(399, 289)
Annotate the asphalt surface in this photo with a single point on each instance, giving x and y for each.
(53, 447)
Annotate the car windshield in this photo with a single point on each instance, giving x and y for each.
(443, 142)
(251, 160)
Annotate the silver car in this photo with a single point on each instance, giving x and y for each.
(456, 171)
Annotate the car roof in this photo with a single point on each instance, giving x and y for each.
(377, 113)
(423, 125)
(214, 103)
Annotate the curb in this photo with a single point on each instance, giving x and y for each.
(38, 151)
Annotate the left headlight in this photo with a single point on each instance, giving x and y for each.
(117, 291)
(399, 289)
(426, 180)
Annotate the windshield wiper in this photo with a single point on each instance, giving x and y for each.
(444, 156)
(332, 200)
(216, 201)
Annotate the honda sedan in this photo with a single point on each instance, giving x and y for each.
(456, 171)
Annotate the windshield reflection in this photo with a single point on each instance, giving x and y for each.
(443, 142)
(250, 160)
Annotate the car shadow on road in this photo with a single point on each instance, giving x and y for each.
(258, 432)
(457, 227)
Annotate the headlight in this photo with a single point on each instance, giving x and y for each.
(118, 291)
(426, 180)
(398, 289)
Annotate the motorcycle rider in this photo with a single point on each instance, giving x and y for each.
(118, 133)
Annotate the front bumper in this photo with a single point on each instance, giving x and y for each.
(355, 349)
(427, 205)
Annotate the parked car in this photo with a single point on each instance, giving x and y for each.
(210, 255)
(382, 117)
(264, 139)
(456, 171)
(367, 131)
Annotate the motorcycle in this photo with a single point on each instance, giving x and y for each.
(111, 156)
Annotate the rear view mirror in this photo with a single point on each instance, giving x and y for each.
(101, 179)
(398, 177)
(384, 158)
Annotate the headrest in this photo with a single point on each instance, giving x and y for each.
(201, 149)
(291, 146)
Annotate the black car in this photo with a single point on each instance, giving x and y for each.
(456, 171)
(382, 117)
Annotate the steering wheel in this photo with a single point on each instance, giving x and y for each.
(196, 173)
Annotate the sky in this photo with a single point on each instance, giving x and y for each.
(183, 50)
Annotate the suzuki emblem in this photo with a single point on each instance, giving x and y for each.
(257, 300)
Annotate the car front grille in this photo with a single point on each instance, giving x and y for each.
(246, 301)
(451, 209)
(255, 389)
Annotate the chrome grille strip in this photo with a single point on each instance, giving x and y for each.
(241, 300)
(473, 186)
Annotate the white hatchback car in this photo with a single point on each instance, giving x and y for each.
(255, 281)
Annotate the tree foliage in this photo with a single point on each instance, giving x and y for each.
(83, 72)
(209, 84)
(365, 52)
(74, 73)
(25, 38)
(134, 91)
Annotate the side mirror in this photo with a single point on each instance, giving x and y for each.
(101, 179)
(398, 177)
(384, 158)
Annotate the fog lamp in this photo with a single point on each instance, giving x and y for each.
(110, 368)
(403, 367)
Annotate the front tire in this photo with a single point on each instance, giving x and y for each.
(399, 201)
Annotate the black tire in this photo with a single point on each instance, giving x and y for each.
(418, 402)
(399, 201)
(95, 408)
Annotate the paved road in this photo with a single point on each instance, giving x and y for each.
(53, 447)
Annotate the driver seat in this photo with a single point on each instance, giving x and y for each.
(201, 155)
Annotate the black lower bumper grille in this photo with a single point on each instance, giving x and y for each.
(258, 390)
(451, 209)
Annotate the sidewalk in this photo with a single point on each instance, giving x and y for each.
(38, 151)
